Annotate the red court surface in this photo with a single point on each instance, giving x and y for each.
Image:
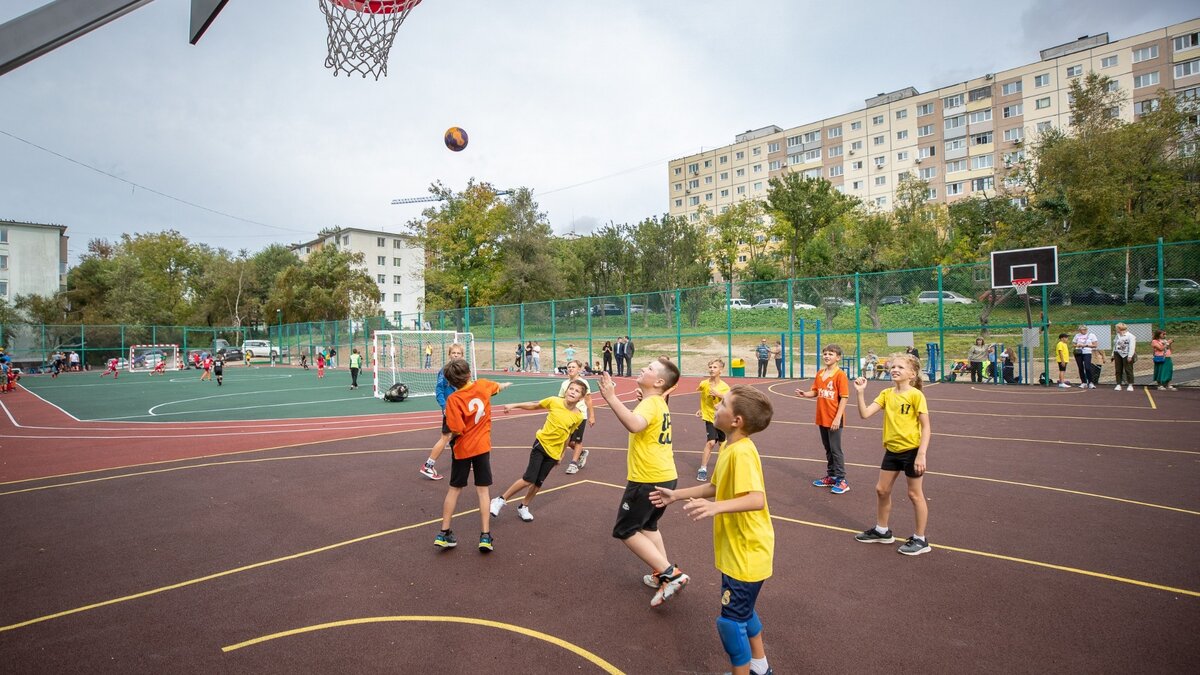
(306, 546)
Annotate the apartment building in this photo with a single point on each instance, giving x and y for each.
(394, 261)
(958, 137)
(33, 259)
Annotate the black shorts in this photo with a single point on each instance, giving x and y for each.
(540, 465)
(577, 435)
(901, 461)
(218, 370)
(636, 512)
(1062, 367)
(712, 433)
(445, 427)
(461, 468)
(738, 598)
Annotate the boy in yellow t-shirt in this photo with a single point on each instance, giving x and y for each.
(743, 538)
(651, 462)
(712, 390)
(550, 441)
(1062, 354)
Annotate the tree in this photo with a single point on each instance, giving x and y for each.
(731, 231)
(528, 272)
(329, 286)
(801, 206)
(671, 255)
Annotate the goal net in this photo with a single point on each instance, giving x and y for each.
(145, 358)
(415, 357)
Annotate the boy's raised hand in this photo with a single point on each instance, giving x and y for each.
(860, 383)
(606, 384)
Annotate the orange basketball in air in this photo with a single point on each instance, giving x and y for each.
(456, 139)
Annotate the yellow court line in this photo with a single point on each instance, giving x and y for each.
(1023, 561)
(1067, 417)
(245, 568)
(1147, 390)
(596, 660)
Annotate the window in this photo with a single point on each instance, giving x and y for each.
(757, 168)
(793, 141)
(1044, 126)
(740, 172)
(694, 168)
(856, 165)
(835, 151)
(983, 162)
(924, 153)
(1042, 80)
(3, 235)
(813, 173)
(901, 135)
(725, 193)
(396, 243)
(708, 197)
(812, 155)
(346, 240)
(1145, 80)
(694, 200)
(985, 183)
(396, 279)
(833, 132)
(796, 159)
(956, 144)
(740, 155)
(880, 161)
(980, 116)
(725, 158)
(1074, 71)
(881, 202)
(982, 139)
(741, 189)
(1043, 102)
(708, 163)
(773, 147)
(1184, 42)
(758, 185)
(956, 166)
(812, 137)
(678, 170)
(954, 189)
(856, 185)
(396, 297)
(708, 180)
(1109, 61)
(774, 165)
(724, 175)
(835, 171)
(878, 140)
(1014, 134)
(1014, 110)
(1145, 53)
(1113, 112)
(3, 262)
(926, 130)
(1113, 85)
(902, 156)
(1011, 88)
(678, 187)
(1143, 107)
(980, 93)
(381, 260)
(380, 242)
(693, 183)
(901, 114)
(952, 101)
(855, 126)
(955, 122)
(1011, 158)
(878, 119)
(694, 217)
(925, 109)
(756, 151)
(381, 278)
(927, 173)
(396, 262)
(931, 193)
(1187, 68)
(856, 145)
(383, 297)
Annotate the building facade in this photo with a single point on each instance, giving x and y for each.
(958, 138)
(33, 259)
(394, 261)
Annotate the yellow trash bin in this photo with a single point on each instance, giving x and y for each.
(737, 368)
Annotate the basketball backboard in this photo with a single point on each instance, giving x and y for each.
(203, 14)
(1040, 265)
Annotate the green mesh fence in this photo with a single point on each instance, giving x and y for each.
(939, 310)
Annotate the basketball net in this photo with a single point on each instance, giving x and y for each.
(361, 33)
(1022, 286)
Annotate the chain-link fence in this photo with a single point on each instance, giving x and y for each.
(939, 311)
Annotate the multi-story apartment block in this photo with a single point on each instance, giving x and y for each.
(958, 138)
(33, 259)
(394, 261)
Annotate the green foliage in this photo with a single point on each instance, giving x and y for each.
(328, 286)
(801, 207)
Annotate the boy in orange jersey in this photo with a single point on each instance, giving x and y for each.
(831, 388)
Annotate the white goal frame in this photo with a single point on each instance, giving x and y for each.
(170, 353)
(399, 356)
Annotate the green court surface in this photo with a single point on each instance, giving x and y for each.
(255, 393)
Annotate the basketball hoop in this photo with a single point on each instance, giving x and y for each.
(1022, 286)
(361, 33)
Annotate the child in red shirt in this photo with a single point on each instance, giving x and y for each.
(320, 365)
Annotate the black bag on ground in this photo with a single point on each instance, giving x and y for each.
(1095, 372)
(396, 393)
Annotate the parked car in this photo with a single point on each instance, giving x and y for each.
(893, 300)
(947, 297)
(229, 352)
(770, 303)
(607, 309)
(252, 348)
(837, 302)
(802, 305)
(739, 303)
(640, 309)
(1173, 289)
(1094, 295)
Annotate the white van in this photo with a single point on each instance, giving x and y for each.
(252, 348)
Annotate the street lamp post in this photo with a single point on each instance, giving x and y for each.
(279, 336)
(467, 312)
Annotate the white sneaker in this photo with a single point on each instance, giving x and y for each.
(1092, 385)
(524, 514)
(1083, 385)
(1129, 388)
(583, 454)
(1064, 385)
(497, 504)
(1117, 388)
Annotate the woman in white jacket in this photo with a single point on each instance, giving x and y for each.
(1124, 354)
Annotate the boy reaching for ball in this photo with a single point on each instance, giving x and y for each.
(743, 537)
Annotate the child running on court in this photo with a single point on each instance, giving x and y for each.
(1062, 356)
(441, 390)
(712, 390)
(906, 433)
(219, 369)
(160, 368)
(831, 388)
(580, 454)
(206, 365)
(320, 365)
(112, 368)
(650, 465)
(743, 537)
(550, 442)
(469, 416)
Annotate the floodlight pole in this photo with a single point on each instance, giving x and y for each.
(467, 312)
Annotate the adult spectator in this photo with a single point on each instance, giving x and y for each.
(763, 353)
(1124, 353)
(1163, 368)
(537, 358)
(1084, 342)
(608, 356)
(976, 355)
(528, 356)
(619, 352)
(629, 356)
(1009, 367)
(73, 358)
(777, 354)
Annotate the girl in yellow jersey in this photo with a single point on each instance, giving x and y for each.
(906, 433)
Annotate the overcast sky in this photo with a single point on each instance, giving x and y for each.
(582, 101)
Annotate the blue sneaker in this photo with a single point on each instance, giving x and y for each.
(840, 487)
(827, 481)
(485, 542)
(446, 539)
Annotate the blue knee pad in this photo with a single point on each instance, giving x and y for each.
(753, 625)
(734, 640)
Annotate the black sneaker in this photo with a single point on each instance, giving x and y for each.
(872, 536)
(446, 539)
(914, 546)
